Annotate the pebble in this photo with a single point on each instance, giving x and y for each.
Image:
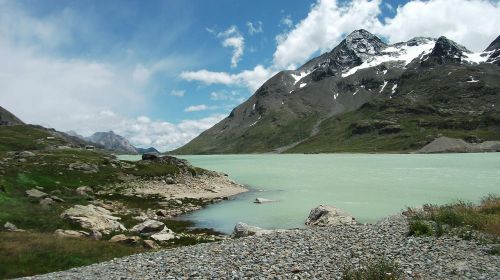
(312, 253)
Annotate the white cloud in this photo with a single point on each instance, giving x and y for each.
(178, 93)
(196, 108)
(287, 21)
(144, 132)
(472, 23)
(231, 38)
(325, 25)
(254, 28)
(252, 79)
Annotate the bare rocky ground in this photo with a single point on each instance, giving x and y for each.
(313, 253)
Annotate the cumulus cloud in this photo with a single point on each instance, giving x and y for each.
(325, 25)
(144, 132)
(196, 108)
(251, 79)
(254, 28)
(232, 38)
(178, 93)
(287, 21)
(472, 23)
(80, 94)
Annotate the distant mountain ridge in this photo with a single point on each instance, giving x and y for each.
(113, 142)
(366, 96)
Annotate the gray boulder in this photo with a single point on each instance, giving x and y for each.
(10, 227)
(34, 193)
(84, 190)
(122, 238)
(243, 230)
(327, 215)
(85, 167)
(260, 200)
(148, 227)
(93, 218)
(71, 233)
(165, 235)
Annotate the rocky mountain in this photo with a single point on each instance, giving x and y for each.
(113, 142)
(7, 118)
(366, 96)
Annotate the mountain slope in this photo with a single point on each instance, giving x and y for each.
(366, 96)
(7, 118)
(112, 142)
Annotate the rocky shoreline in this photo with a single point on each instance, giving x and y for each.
(311, 253)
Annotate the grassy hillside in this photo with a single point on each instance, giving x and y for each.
(30, 160)
(427, 104)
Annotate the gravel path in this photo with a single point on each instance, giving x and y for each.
(319, 253)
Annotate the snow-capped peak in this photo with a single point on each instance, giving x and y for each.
(401, 52)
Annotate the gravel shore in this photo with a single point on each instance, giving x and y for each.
(314, 253)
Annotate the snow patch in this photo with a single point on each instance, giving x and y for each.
(403, 53)
(253, 107)
(355, 92)
(472, 80)
(385, 72)
(394, 87)
(383, 86)
(302, 85)
(299, 77)
(476, 57)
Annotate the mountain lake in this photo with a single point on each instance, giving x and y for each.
(368, 186)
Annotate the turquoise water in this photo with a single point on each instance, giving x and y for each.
(369, 186)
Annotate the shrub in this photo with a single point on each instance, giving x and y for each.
(380, 269)
(419, 228)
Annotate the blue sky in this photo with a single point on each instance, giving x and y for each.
(160, 72)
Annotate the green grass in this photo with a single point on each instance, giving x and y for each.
(484, 217)
(26, 254)
(25, 137)
(418, 227)
(379, 269)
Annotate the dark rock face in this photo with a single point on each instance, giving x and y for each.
(7, 118)
(446, 51)
(494, 47)
(362, 76)
(147, 150)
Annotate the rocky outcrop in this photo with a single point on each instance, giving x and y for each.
(243, 230)
(327, 215)
(10, 227)
(93, 218)
(84, 167)
(36, 194)
(122, 238)
(71, 233)
(165, 235)
(148, 228)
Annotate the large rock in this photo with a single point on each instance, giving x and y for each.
(165, 235)
(150, 156)
(93, 218)
(84, 190)
(85, 167)
(122, 238)
(148, 228)
(243, 230)
(34, 193)
(260, 200)
(327, 215)
(71, 233)
(10, 227)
